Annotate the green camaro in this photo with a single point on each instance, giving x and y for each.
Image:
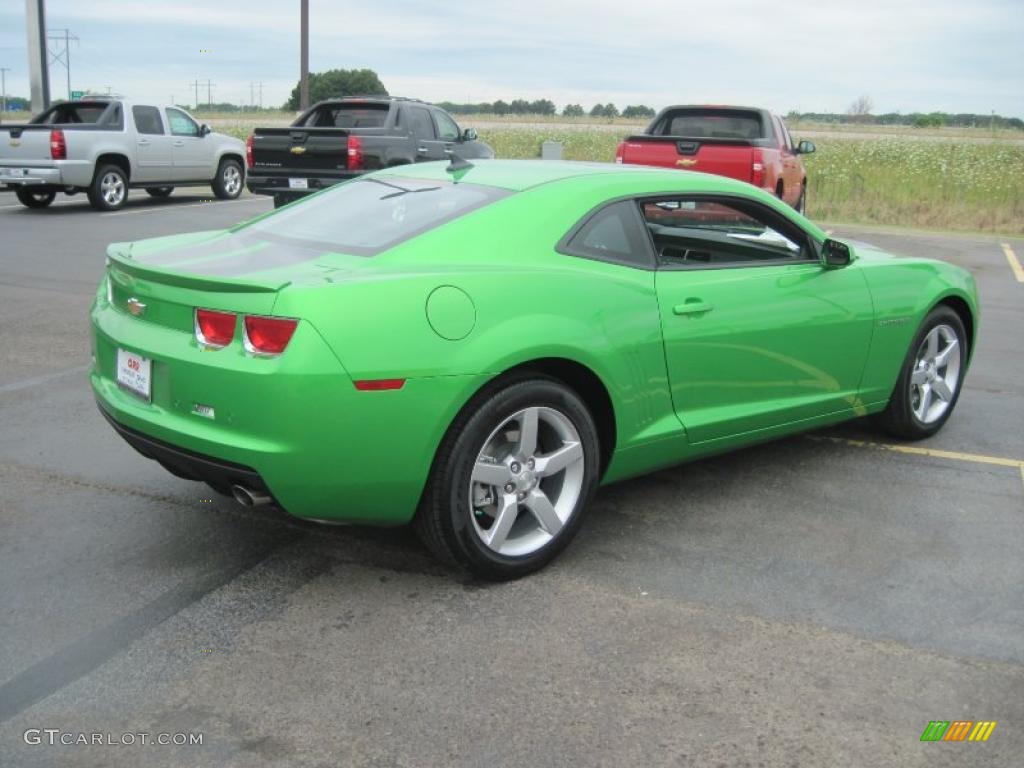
(477, 348)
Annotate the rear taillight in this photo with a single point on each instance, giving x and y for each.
(355, 153)
(757, 168)
(268, 335)
(248, 151)
(620, 151)
(214, 329)
(58, 149)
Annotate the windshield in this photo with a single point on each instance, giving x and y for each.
(370, 215)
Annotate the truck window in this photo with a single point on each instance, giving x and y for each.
(420, 123)
(147, 120)
(348, 116)
(712, 124)
(181, 124)
(71, 114)
(447, 130)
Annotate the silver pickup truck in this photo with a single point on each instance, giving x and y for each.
(103, 147)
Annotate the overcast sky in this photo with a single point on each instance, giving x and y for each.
(907, 55)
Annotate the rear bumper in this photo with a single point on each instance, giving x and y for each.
(17, 178)
(294, 426)
(187, 464)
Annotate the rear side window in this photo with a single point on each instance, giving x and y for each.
(419, 123)
(615, 233)
(712, 124)
(370, 215)
(348, 116)
(147, 120)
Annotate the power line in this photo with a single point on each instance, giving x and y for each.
(62, 55)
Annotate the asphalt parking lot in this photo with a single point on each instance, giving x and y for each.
(810, 602)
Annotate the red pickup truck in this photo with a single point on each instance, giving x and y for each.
(739, 142)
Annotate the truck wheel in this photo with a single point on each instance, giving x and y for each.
(35, 199)
(227, 184)
(109, 188)
(159, 191)
(280, 201)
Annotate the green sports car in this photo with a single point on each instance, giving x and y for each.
(476, 348)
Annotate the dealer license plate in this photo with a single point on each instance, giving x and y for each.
(298, 184)
(133, 373)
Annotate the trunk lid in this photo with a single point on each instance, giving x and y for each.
(164, 280)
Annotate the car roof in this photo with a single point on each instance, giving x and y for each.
(518, 175)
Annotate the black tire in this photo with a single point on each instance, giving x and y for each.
(801, 203)
(230, 179)
(445, 521)
(109, 188)
(159, 192)
(899, 417)
(31, 199)
(280, 201)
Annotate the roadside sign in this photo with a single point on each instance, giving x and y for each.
(77, 95)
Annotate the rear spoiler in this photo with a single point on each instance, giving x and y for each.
(119, 258)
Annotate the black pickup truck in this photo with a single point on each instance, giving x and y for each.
(338, 139)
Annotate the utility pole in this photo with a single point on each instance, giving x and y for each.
(195, 85)
(251, 101)
(39, 79)
(209, 93)
(63, 55)
(3, 91)
(261, 94)
(304, 56)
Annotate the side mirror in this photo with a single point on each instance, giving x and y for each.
(469, 134)
(204, 129)
(805, 147)
(835, 254)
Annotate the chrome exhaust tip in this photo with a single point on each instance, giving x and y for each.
(248, 498)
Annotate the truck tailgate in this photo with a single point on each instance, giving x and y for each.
(24, 145)
(724, 157)
(311, 150)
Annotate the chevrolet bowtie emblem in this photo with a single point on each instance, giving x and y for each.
(135, 306)
(15, 143)
(686, 162)
(297, 150)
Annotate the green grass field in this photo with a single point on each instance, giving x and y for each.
(911, 182)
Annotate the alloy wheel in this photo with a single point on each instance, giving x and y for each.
(526, 481)
(112, 188)
(936, 374)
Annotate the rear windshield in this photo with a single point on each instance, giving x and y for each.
(348, 116)
(68, 114)
(370, 215)
(712, 124)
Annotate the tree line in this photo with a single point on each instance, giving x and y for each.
(915, 119)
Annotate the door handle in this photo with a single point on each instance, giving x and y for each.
(692, 307)
(179, 144)
(421, 150)
(143, 142)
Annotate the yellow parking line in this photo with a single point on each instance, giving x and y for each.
(975, 458)
(1011, 257)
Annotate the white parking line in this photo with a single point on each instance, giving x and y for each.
(1018, 270)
